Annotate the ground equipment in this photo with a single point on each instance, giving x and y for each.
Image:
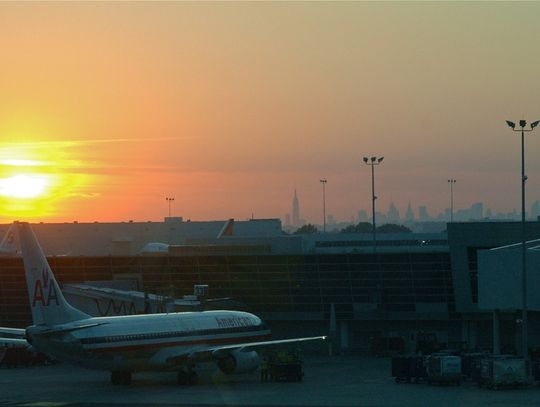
(443, 369)
(503, 371)
(408, 368)
(285, 366)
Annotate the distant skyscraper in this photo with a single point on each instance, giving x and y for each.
(287, 219)
(409, 216)
(362, 216)
(331, 220)
(393, 213)
(423, 214)
(295, 210)
(477, 211)
(381, 218)
(447, 214)
(535, 210)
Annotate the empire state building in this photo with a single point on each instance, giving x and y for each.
(295, 210)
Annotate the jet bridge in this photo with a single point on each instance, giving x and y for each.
(97, 300)
(104, 301)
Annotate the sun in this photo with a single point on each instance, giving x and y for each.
(24, 186)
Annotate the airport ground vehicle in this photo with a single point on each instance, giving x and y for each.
(408, 368)
(471, 365)
(503, 371)
(285, 366)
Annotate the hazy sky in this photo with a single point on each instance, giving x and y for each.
(228, 106)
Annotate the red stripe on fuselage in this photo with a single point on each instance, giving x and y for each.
(213, 341)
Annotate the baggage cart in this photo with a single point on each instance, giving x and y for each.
(444, 369)
(504, 371)
(285, 366)
(536, 371)
(408, 368)
(400, 369)
(471, 365)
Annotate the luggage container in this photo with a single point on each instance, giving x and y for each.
(408, 368)
(536, 371)
(444, 369)
(504, 371)
(400, 369)
(471, 365)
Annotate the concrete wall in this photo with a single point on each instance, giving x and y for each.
(500, 279)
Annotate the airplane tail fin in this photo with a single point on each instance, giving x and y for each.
(8, 245)
(47, 302)
(227, 229)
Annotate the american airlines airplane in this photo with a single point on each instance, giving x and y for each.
(127, 344)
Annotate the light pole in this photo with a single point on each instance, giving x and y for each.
(169, 200)
(524, 332)
(373, 161)
(451, 182)
(323, 182)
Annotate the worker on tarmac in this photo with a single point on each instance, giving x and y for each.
(264, 370)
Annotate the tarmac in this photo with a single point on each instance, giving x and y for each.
(341, 381)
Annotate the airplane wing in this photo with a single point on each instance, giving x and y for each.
(218, 351)
(11, 332)
(221, 351)
(64, 329)
(14, 343)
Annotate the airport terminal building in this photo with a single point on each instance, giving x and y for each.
(301, 285)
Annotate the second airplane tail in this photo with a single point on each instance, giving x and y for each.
(48, 305)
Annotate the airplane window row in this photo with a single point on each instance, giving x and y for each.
(176, 334)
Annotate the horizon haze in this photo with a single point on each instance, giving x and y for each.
(106, 109)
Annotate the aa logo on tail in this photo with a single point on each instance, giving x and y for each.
(44, 290)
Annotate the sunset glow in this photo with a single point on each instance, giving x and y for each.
(23, 186)
(109, 107)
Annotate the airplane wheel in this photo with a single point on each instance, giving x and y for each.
(116, 377)
(193, 378)
(183, 377)
(127, 378)
(122, 378)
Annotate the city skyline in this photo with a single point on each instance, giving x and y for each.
(411, 213)
(106, 109)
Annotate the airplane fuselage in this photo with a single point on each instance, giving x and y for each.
(145, 342)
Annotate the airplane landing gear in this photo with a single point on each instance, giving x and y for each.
(189, 377)
(121, 378)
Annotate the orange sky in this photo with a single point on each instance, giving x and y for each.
(228, 106)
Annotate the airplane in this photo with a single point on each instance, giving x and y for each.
(133, 343)
(163, 248)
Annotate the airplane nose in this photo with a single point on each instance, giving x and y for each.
(29, 337)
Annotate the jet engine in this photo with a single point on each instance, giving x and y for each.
(239, 362)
